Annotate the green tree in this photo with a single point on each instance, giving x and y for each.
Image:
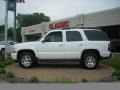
(2, 27)
(10, 31)
(24, 20)
(31, 19)
(18, 35)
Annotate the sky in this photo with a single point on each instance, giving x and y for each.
(58, 9)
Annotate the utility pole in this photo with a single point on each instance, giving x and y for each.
(14, 31)
(6, 28)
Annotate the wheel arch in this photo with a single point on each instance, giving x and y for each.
(26, 50)
(90, 51)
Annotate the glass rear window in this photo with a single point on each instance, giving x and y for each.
(96, 35)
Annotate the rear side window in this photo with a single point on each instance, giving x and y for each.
(73, 36)
(94, 35)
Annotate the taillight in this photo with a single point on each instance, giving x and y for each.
(109, 47)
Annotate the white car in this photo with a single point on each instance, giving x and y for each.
(9, 46)
(83, 45)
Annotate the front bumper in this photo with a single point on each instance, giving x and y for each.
(14, 56)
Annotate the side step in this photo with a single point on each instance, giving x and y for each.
(59, 61)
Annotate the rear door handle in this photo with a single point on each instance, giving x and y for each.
(80, 44)
(60, 45)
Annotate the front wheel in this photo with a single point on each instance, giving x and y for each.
(26, 60)
(90, 60)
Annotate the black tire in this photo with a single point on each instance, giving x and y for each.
(3, 52)
(90, 60)
(22, 59)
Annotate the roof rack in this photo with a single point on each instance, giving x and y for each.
(81, 28)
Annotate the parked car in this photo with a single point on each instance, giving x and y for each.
(9, 46)
(83, 45)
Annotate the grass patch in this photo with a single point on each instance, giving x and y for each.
(116, 73)
(63, 79)
(4, 63)
(10, 75)
(2, 71)
(34, 79)
(113, 62)
(118, 77)
(7, 62)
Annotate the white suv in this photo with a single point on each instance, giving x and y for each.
(83, 45)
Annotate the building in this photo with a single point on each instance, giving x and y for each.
(108, 20)
(1, 36)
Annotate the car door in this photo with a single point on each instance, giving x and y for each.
(74, 45)
(10, 46)
(52, 47)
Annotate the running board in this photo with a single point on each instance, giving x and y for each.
(59, 61)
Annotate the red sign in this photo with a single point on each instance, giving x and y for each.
(58, 25)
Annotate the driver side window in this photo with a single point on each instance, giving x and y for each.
(54, 37)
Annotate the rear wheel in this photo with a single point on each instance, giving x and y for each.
(26, 60)
(90, 60)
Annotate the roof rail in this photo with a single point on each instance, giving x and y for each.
(81, 28)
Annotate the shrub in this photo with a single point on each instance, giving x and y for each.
(6, 62)
(114, 61)
(2, 71)
(2, 65)
(116, 73)
(34, 79)
(84, 80)
(118, 77)
(62, 80)
(10, 75)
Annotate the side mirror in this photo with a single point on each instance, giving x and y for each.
(8, 44)
(43, 41)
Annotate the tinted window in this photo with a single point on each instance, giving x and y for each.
(73, 36)
(94, 35)
(54, 37)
